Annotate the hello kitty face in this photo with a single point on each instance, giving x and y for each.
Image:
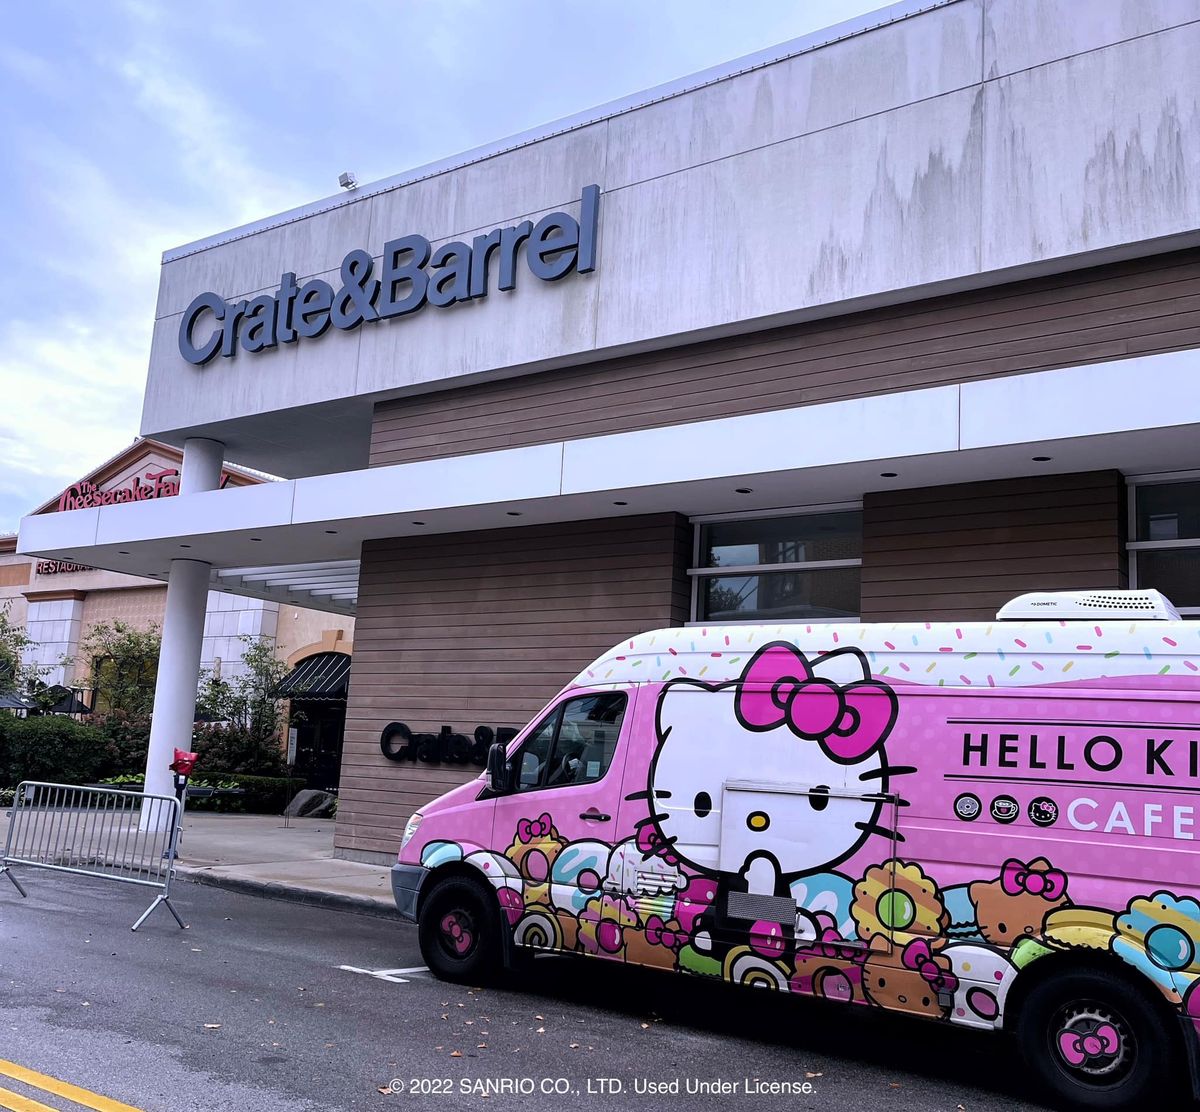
(818, 729)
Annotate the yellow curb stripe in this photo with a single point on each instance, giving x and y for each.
(18, 1103)
(58, 1088)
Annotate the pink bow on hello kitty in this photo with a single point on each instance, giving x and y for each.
(1105, 1041)
(528, 829)
(848, 720)
(918, 957)
(1017, 878)
(659, 934)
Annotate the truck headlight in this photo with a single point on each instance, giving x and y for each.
(410, 829)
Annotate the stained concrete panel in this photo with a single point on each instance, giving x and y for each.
(534, 320)
(482, 195)
(1098, 150)
(545, 176)
(255, 262)
(918, 58)
(874, 205)
(1020, 34)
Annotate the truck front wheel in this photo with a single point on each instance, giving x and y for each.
(1096, 1042)
(459, 931)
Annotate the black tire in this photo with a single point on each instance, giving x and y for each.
(459, 931)
(1092, 1040)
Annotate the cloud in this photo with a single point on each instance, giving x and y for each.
(205, 142)
(73, 358)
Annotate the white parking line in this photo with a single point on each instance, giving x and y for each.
(391, 975)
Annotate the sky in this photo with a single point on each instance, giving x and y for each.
(128, 127)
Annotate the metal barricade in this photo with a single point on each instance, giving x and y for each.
(129, 837)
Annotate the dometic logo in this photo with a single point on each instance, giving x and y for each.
(411, 274)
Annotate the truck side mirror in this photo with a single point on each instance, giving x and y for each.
(497, 768)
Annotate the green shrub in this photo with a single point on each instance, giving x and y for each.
(131, 781)
(6, 796)
(53, 748)
(261, 795)
(129, 735)
(231, 750)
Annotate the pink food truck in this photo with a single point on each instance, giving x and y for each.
(990, 824)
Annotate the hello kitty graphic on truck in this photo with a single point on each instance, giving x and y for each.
(967, 823)
(819, 775)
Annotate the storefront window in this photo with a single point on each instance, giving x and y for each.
(800, 567)
(1164, 552)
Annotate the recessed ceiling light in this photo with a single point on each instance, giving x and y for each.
(513, 513)
(744, 490)
(1042, 459)
(620, 503)
(887, 474)
(331, 532)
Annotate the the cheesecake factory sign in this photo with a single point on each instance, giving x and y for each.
(157, 482)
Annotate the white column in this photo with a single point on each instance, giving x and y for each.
(182, 636)
(202, 462)
(178, 670)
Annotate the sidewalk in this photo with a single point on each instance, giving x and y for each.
(258, 855)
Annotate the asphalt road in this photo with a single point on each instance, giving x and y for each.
(249, 1010)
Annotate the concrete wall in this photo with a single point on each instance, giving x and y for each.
(15, 573)
(54, 627)
(227, 620)
(299, 629)
(941, 150)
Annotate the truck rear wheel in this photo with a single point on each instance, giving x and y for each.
(1096, 1042)
(459, 931)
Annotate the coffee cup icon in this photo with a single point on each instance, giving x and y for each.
(1005, 809)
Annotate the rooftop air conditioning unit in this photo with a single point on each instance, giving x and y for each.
(1088, 605)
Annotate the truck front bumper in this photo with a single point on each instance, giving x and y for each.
(406, 888)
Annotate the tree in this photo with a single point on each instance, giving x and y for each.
(247, 715)
(17, 677)
(248, 701)
(123, 663)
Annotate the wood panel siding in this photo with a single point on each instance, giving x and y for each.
(958, 553)
(485, 627)
(1132, 308)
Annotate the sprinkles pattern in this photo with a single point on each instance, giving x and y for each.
(1073, 652)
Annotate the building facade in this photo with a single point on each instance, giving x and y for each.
(59, 602)
(896, 321)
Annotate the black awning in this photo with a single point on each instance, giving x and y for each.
(321, 676)
(12, 700)
(66, 701)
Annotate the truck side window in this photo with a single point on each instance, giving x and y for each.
(574, 744)
(535, 753)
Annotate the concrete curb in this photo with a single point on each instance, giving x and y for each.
(272, 890)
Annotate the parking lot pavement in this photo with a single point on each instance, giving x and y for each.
(261, 1005)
